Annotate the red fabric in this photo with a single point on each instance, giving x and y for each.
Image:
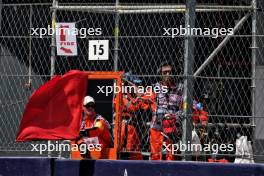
(200, 115)
(169, 125)
(54, 110)
(195, 116)
(203, 116)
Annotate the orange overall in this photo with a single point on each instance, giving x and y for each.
(129, 137)
(95, 128)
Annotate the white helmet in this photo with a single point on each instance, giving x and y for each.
(88, 99)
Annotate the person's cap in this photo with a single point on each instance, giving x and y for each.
(88, 99)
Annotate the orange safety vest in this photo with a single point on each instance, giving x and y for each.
(102, 133)
(148, 101)
(129, 106)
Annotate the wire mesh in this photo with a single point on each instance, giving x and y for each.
(225, 84)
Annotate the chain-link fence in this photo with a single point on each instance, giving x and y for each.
(227, 69)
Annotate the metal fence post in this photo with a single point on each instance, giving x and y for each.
(253, 55)
(53, 40)
(30, 49)
(116, 33)
(1, 6)
(116, 49)
(253, 67)
(188, 77)
(53, 48)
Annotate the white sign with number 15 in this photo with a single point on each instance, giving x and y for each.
(98, 50)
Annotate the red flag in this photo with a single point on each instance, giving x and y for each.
(54, 110)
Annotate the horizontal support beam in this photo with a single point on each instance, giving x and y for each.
(151, 8)
(223, 125)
